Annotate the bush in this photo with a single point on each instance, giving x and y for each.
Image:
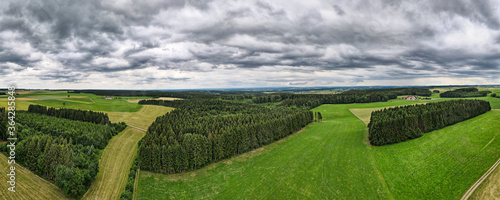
(493, 95)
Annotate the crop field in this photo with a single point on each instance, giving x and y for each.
(332, 159)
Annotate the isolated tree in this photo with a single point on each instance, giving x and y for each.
(493, 95)
(436, 91)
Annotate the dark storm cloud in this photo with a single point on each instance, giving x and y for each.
(403, 39)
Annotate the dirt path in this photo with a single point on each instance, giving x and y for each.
(140, 129)
(478, 182)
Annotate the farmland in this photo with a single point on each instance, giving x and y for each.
(325, 160)
(331, 159)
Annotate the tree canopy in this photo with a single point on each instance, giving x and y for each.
(393, 125)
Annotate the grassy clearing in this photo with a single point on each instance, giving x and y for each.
(118, 156)
(28, 185)
(331, 160)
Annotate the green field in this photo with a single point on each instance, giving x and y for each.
(75, 101)
(332, 160)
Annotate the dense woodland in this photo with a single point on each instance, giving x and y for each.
(62, 150)
(399, 124)
(351, 96)
(396, 91)
(73, 114)
(464, 92)
(199, 132)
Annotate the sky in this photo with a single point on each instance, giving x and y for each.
(172, 44)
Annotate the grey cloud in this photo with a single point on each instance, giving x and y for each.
(339, 10)
(294, 36)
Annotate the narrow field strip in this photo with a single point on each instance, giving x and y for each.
(478, 182)
(114, 165)
(118, 155)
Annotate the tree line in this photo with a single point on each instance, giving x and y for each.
(393, 125)
(62, 150)
(351, 96)
(73, 114)
(397, 91)
(464, 92)
(143, 93)
(199, 132)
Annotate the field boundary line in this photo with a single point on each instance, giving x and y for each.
(478, 182)
(141, 129)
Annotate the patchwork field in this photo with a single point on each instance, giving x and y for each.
(331, 159)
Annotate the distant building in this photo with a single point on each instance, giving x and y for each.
(108, 98)
(410, 98)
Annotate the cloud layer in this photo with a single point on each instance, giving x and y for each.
(198, 44)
